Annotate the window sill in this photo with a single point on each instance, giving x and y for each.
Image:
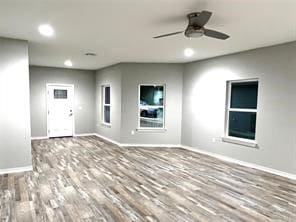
(243, 142)
(157, 130)
(108, 125)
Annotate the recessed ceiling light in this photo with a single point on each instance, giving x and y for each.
(68, 63)
(188, 52)
(46, 30)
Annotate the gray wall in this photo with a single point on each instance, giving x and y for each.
(84, 93)
(204, 93)
(109, 76)
(124, 80)
(132, 76)
(15, 142)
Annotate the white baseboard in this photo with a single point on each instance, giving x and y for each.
(85, 134)
(108, 139)
(150, 145)
(76, 135)
(137, 144)
(16, 170)
(39, 138)
(242, 163)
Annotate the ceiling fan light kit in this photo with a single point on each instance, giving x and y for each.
(194, 33)
(196, 29)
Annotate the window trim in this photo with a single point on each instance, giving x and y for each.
(103, 87)
(228, 109)
(151, 129)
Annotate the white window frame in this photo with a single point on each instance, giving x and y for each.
(104, 105)
(163, 107)
(231, 139)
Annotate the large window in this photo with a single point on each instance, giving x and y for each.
(151, 106)
(242, 109)
(106, 102)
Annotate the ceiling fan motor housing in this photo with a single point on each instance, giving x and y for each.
(193, 30)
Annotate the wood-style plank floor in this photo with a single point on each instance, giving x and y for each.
(88, 179)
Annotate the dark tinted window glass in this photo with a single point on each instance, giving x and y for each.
(107, 95)
(242, 124)
(244, 95)
(60, 93)
(151, 95)
(151, 102)
(152, 118)
(107, 114)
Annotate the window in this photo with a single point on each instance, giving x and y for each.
(106, 101)
(242, 109)
(151, 106)
(60, 93)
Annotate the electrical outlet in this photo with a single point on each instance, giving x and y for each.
(132, 132)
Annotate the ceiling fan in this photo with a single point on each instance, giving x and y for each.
(195, 28)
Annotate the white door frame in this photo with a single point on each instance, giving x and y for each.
(47, 106)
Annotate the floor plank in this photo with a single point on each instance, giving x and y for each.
(88, 179)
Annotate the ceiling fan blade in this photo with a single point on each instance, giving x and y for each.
(203, 18)
(215, 34)
(165, 35)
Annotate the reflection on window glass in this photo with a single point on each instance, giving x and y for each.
(60, 93)
(244, 95)
(151, 106)
(151, 117)
(107, 114)
(242, 124)
(152, 95)
(106, 98)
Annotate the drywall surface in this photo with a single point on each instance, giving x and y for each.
(109, 76)
(204, 98)
(15, 138)
(84, 97)
(133, 75)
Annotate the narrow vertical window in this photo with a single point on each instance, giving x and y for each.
(106, 102)
(151, 106)
(242, 109)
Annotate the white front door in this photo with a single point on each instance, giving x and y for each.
(60, 115)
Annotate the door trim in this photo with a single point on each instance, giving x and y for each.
(47, 106)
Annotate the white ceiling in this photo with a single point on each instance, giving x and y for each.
(122, 30)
